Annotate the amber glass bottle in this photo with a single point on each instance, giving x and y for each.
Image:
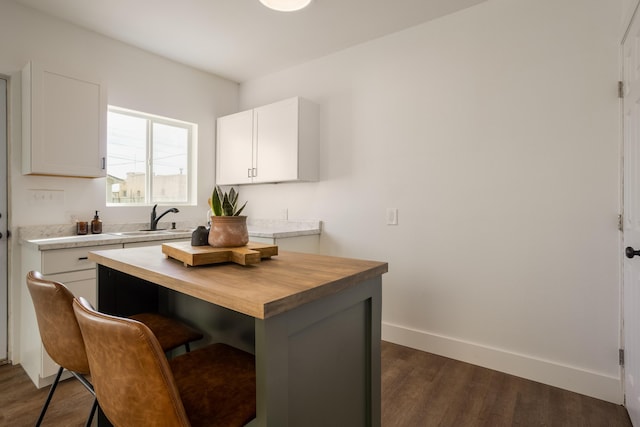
(96, 224)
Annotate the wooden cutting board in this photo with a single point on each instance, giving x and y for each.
(191, 256)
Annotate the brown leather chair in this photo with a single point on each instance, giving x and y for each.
(62, 338)
(137, 386)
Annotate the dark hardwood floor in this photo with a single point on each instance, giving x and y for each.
(21, 401)
(418, 390)
(422, 389)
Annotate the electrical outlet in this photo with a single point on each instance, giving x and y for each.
(45, 198)
(392, 216)
(284, 213)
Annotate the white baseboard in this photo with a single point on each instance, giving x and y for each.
(594, 384)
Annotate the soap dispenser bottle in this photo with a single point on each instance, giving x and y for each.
(96, 224)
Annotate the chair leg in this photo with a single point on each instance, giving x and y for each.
(49, 396)
(187, 347)
(84, 382)
(89, 387)
(93, 411)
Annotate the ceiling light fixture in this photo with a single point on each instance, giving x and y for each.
(286, 5)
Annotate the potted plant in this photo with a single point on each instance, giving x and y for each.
(228, 227)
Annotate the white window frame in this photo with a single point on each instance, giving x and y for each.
(192, 132)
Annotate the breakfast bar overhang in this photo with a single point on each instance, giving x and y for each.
(317, 325)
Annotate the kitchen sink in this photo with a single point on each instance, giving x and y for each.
(139, 233)
(152, 232)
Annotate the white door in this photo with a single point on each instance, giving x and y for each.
(4, 262)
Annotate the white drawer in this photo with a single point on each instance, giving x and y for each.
(72, 259)
(73, 276)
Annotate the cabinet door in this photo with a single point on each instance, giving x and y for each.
(80, 288)
(276, 149)
(64, 124)
(234, 149)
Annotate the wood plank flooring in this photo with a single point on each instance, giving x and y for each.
(21, 401)
(422, 389)
(418, 390)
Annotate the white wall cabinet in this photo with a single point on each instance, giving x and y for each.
(63, 124)
(234, 149)
(273, 143)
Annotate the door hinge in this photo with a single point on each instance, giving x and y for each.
(621, 356)
(620, 223)
(620, 89)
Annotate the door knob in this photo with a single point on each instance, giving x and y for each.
(630, 252)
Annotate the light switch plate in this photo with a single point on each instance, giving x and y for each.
(392, 216)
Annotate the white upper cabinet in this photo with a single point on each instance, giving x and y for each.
(274, 143)
(234, 149)
(63, 124)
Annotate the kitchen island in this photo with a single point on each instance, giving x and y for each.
(316, 325)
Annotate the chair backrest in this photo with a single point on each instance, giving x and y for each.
(129, 371)
(59, 330)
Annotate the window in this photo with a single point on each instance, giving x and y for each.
(149, 159)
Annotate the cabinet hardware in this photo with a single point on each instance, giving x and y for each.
(254, 172)
(620, 89)
(82, 258)
(249, 173)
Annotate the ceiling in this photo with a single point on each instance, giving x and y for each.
(241, 39)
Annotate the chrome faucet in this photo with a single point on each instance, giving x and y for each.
(153, 223)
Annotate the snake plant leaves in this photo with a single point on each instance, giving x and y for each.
(216, 202)
(225, 204)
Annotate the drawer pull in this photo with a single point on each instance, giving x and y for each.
(82, 258)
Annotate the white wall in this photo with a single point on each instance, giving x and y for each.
(136, 80)
(495, 132)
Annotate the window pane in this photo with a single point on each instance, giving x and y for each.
(148, 159)
(126, 158)
(170, 163)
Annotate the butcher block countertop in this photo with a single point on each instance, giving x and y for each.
(268, 288)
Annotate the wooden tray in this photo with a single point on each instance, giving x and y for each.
(191, 256)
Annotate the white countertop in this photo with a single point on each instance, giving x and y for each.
(49, 237)
(280, 228)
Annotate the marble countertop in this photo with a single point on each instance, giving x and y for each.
(278, 229)
(49, 237)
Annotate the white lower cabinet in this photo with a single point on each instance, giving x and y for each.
(69, 266)
(73, 268)
(307, 244)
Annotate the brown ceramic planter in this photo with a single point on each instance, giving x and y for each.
(228, 231)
